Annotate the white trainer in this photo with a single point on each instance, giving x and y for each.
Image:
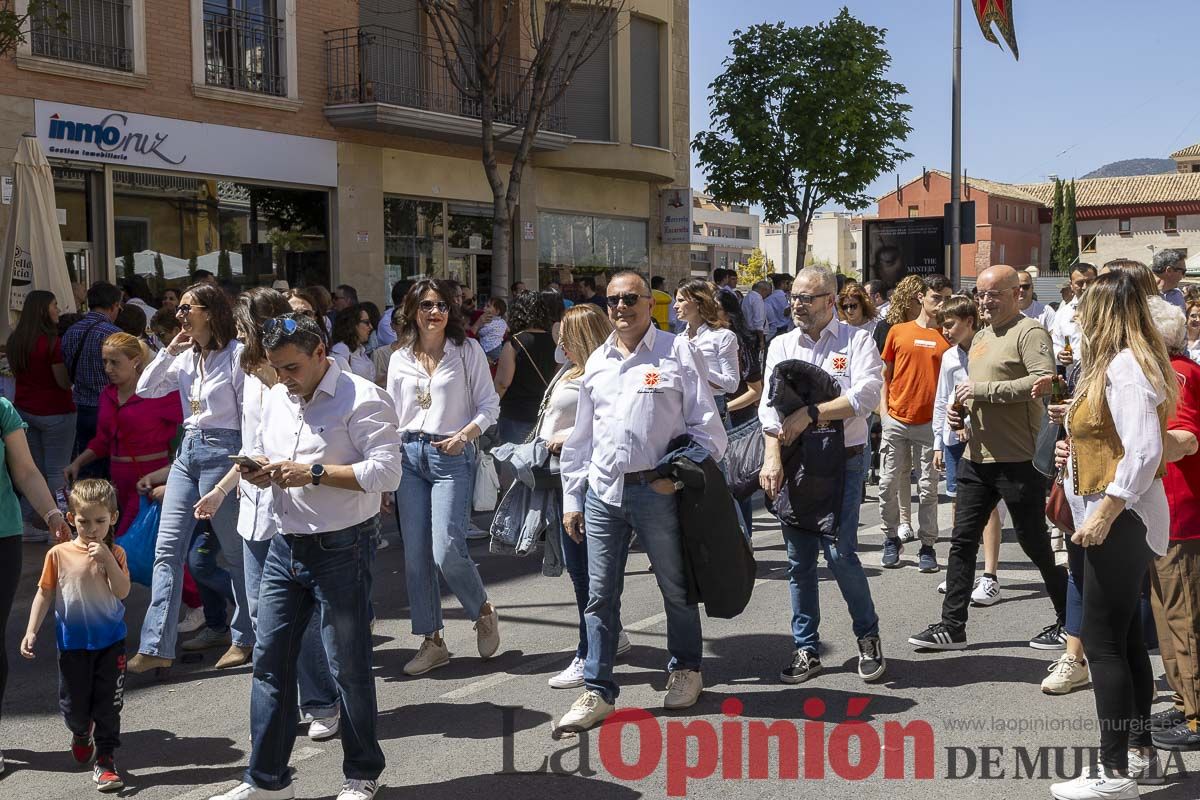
(986, 591)
(569, 678)
(942, 587)
(588, 710)
(1066, 675)
(623, 644)
(433, 654)
(354, 789)
(325, 728)
(905, 533)
(683, 689)
(192, 621)
(487, 634)
(1102, 787)
(248, 791)
(1146, 771)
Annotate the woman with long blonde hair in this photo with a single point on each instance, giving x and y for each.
(696, 305)
(585, 329)
(1114, 475)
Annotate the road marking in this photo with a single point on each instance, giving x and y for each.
(204, 792)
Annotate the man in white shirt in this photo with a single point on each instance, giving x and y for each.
(1169, 267)
(1064, 330)
(1034, 309)
(329, 444)
(754, 310)
(850, 356)
(641, 389)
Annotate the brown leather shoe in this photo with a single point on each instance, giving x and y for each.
(144, 663)
(235, 656)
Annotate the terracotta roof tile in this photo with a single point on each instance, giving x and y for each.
(995, 188)
(1187, 152)
(1134, 190)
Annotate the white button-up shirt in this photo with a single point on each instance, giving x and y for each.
(358, 361)
(461, 390)
(755, 312)
(630, 409)
(1064, 329)
(1043, 313)
(348, 421)
(845, 352)
(719, 346)
(256, 521)
(220, 393)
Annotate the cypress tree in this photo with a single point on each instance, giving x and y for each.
(1070, 234)
(1056, 263)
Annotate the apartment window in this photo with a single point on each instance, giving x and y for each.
(914, 211)
(742, 233)
(588, 97)
(645, 79)
(698, 230)
(244, 46)
(98, 33)
(1087, 243)
(1171, 225)
(1125, 226)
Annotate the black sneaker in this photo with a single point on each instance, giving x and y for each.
(871, 663)
(927, 559)
(940, 637)
(805, 664)
(1166, 720)
(1052, 637)
(1182, 737)
(891, 552)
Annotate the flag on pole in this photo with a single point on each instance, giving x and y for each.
(1000, 13)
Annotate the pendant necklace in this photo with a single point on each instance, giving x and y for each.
(199, 386)
(424, 397)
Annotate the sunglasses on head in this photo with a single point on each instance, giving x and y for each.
(630, 299)
(288, 324)
(429, 305)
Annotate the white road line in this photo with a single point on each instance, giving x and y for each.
(204, 792)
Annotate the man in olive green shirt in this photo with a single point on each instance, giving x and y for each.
(1004, 420)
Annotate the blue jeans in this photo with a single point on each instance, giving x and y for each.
(50, 440)
(575, 558)
(1074, 617)
(654, 518)
(841, 556)
(213, 581)
(327, 573)
(434, 499)
(318, 692)
(202, 460)
(952, 454)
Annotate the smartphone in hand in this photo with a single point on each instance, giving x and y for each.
(247, 462)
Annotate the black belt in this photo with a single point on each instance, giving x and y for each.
(853, 451)
(421, 436)
(643, 477)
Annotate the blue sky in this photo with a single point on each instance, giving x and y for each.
(1098, 80)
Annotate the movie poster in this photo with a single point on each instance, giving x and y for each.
(899, 247)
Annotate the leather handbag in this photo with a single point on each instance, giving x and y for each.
(1058, 510)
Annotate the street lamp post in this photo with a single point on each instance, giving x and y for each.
(956, 155)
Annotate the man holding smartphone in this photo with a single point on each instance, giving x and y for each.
(329, 446)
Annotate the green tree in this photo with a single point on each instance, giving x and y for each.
(756, 268)
(1056, 262)
(13, 25)
(802, 118)
(224, 267)
(1068, 242)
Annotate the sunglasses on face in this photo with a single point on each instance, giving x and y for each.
(429, 305)
(850, 307)
(186, 308)
(630, 299)
(288, 324)
(806, 299)
(364, 322)
(1025, 287)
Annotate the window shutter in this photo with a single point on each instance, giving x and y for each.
(645, 80)
(587, 98)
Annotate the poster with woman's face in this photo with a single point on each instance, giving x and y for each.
(900, 247)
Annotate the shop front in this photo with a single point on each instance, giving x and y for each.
(161, 198)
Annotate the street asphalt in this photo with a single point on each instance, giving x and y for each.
(977, 723)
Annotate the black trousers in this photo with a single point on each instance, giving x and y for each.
(1113, 638)
(980, 488)
(91, 688)
(10, 576)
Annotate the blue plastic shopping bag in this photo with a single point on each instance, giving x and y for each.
(139, 541)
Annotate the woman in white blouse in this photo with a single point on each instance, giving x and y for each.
(256, 523)
(442, 387)
(203, 364)
(1193, 331)
(697, 306)
(1116, 426)
(351, 329)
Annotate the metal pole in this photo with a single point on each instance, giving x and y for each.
(956, 156)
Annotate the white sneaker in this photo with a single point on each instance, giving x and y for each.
(986, 591)
(248, 791)
(354, 789)
(433, 654)
(1066, 675)
(683, 689)
(623, 644)
(588, 710)
(942, 587)
(1146, 771)
(569, 678)
(475, 532)
(487, 634)
(905, 533)
(192, 621)
(325, 728)
(1100, 788)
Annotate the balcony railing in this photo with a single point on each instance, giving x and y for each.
(373, 64)
(243, 50)
(94, 32)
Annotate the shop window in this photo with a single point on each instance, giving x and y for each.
(168, 226)
(414, 244)
(587, 245)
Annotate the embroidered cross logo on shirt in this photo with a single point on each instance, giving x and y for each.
(839, 363)
(650, 379)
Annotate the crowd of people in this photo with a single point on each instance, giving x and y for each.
(273, 427)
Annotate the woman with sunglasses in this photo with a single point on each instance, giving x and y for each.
(857, 308)
(202, 364)
(442, 387)
(351, 329)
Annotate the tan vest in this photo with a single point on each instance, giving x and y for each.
(1096, 449)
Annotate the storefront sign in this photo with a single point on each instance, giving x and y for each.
(676, 216)
(120, 138)
(6, 190)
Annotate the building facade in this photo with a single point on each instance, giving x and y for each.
(833, 239)
(723, 236)
(323, 143)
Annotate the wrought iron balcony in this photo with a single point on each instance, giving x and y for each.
(243, 50)
(93, 32)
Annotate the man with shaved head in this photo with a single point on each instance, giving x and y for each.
(996, 408)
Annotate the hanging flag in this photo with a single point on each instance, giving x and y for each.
(1000, 13)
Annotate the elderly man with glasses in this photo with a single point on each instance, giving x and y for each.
(1169, 267)
(1031, 307)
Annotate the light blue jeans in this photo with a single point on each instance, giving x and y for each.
(318, 692)
(202, 460)
(655, 519)
(435, 501)
(50, 441)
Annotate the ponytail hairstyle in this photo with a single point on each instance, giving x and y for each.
(131, 347)
(95, 491)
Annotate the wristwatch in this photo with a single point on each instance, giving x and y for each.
(317, 472)
(814, 413)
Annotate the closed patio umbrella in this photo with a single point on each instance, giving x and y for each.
(33, 249)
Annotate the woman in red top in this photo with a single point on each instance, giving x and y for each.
(43, 395)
